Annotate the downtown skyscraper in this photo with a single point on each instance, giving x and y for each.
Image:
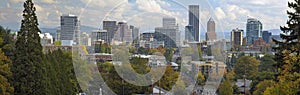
(135, 33)
(194, 22)
(253, 30)
(70, 30)
(169, 22)
(211, 30)
(123, 33)
(266, 35)
(169, 33)
(237, 37)
(111, 28)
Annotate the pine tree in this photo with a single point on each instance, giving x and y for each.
(28, 70)
(290, 36)
(288, 54)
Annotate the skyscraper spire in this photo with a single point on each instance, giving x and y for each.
(211, 19)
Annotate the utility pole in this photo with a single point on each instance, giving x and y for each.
(244, 79)
(159, 87)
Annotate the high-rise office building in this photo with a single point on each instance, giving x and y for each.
(135, 33)
(70, 30)
(237, 37)
(99, 35)
(111, 28)
(189, 33)
(254, 30)
(194, 21)
(123, 33)
(266, 36)
(170, 31)
(169, 22)
(211, 30)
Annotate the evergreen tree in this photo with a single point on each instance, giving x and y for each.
(290, 37)
(288, 55)
(28, 68)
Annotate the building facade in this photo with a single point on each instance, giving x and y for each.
(85, 39)
(135, 33)
(111, 28)
(189, 33)
(237, 37)
(169, 30)
(70, 30)
(267, 36)
(123, 33)
(99, 35)
(147, 36)
(169, 22)
(194, 21)
(211, 30)
(253, 30)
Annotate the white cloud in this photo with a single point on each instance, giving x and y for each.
(2, 17)
(102, 3)
(272, 13)
(163, 3)
(39, 8)
(7, 5)
(47, 1)
(149, 6)
(232, 13)
(16, 1)
(220, 13)
(259, 2)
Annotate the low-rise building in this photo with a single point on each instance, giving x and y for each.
(243, 85)
(99, 57)
(46, 39)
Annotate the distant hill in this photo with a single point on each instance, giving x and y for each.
(275, 31)
(82, 29)
(222, 35)
(227, 35)
(87, 28)
(52, 31)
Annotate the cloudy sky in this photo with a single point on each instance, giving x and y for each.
(147, 14)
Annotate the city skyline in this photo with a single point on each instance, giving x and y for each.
(232, 14)
(150, 47)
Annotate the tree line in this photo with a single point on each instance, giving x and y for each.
(26, 70)
(272, 75)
